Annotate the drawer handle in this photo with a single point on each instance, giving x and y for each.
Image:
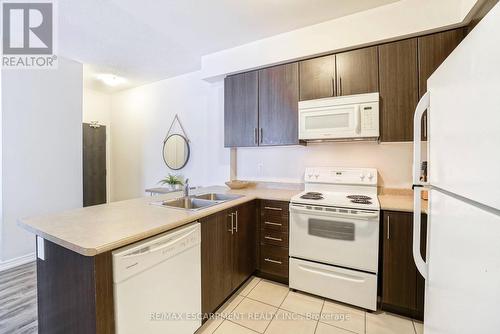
(273, 208)
(271, 238)
(273, 261)
(275, 224)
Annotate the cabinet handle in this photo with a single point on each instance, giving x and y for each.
(273, 208)
(256, 135)
(270, 223)
(236, 221)
(273, 261)
(340, 88)
(232, 223)
(333, 86)
(261, 137)
(271, 238)
(388, 227)
(425, 126)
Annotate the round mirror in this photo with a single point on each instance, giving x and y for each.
(176, 151)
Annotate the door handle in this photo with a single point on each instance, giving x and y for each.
(273, 208)
(232, 223)
(236, 220)
(272, 238)
(272, 261)
(417, 256)
(270, 223)
(422, 106)
(388, 227)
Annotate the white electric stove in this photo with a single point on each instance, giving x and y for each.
(334, 235)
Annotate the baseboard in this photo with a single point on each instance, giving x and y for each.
(18, 261)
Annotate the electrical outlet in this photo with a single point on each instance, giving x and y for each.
(260, 168)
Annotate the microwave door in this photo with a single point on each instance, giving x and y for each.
(329, 123)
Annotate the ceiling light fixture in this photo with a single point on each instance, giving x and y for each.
(111, 79)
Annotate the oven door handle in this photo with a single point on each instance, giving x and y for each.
(359, 215)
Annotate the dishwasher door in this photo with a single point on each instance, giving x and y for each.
(157, 284)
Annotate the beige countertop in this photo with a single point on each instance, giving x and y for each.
(398, 200)
(101, 228)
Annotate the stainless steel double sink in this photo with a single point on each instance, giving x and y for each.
(197, 202)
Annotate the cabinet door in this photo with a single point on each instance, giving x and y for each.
(244, 246)
(398, 89)
(317, 78)
(216, 260)
(241, 110)
(357, 71)
(432, 51)
(399, 271)
(278, 105)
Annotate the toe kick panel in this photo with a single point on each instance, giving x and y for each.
(344, 285)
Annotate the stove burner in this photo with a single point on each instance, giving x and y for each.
(312, 195)
(359, 198)
(361, 201)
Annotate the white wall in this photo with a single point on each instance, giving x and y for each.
(401, 18)
(41, 148)
(287, 164)
(140, 121)
(97, 107)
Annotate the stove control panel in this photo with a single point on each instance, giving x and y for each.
(341, 175)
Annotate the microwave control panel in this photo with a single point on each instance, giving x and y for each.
(369, 116)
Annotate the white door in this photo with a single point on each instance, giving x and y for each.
(463, 284)
(464, 116)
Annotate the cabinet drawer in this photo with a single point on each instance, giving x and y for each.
(274, 208)
(277, 224)
(274, 260)
(271, 237)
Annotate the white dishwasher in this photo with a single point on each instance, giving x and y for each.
(157, 284)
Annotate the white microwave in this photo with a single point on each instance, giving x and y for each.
(354, 117)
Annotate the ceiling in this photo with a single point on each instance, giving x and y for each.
(150, 40)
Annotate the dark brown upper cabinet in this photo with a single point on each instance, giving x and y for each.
(433, 50)
(398, 89)
(317, 78)
(278, 105)
(357, 71)
(241, 110)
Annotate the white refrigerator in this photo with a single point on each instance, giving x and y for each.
(462, 268)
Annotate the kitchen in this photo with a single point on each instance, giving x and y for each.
(324, 140)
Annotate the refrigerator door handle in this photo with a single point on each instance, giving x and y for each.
(417, 212)
(422, 106)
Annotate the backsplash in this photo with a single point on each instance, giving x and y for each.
(287, 164)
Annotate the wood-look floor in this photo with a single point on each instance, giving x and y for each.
(18, 308)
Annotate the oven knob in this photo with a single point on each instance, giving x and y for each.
(362, 176)
(370, 176)
(310, 176)
(317, 175)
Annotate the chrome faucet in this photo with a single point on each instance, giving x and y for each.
(186, 188)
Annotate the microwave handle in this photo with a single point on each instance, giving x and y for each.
(357, 119)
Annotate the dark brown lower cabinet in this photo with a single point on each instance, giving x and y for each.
(402, 284)
(75, 292)
(228, 253)
(273, 241)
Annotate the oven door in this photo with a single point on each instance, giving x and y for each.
(334, 122)
(347, 238)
